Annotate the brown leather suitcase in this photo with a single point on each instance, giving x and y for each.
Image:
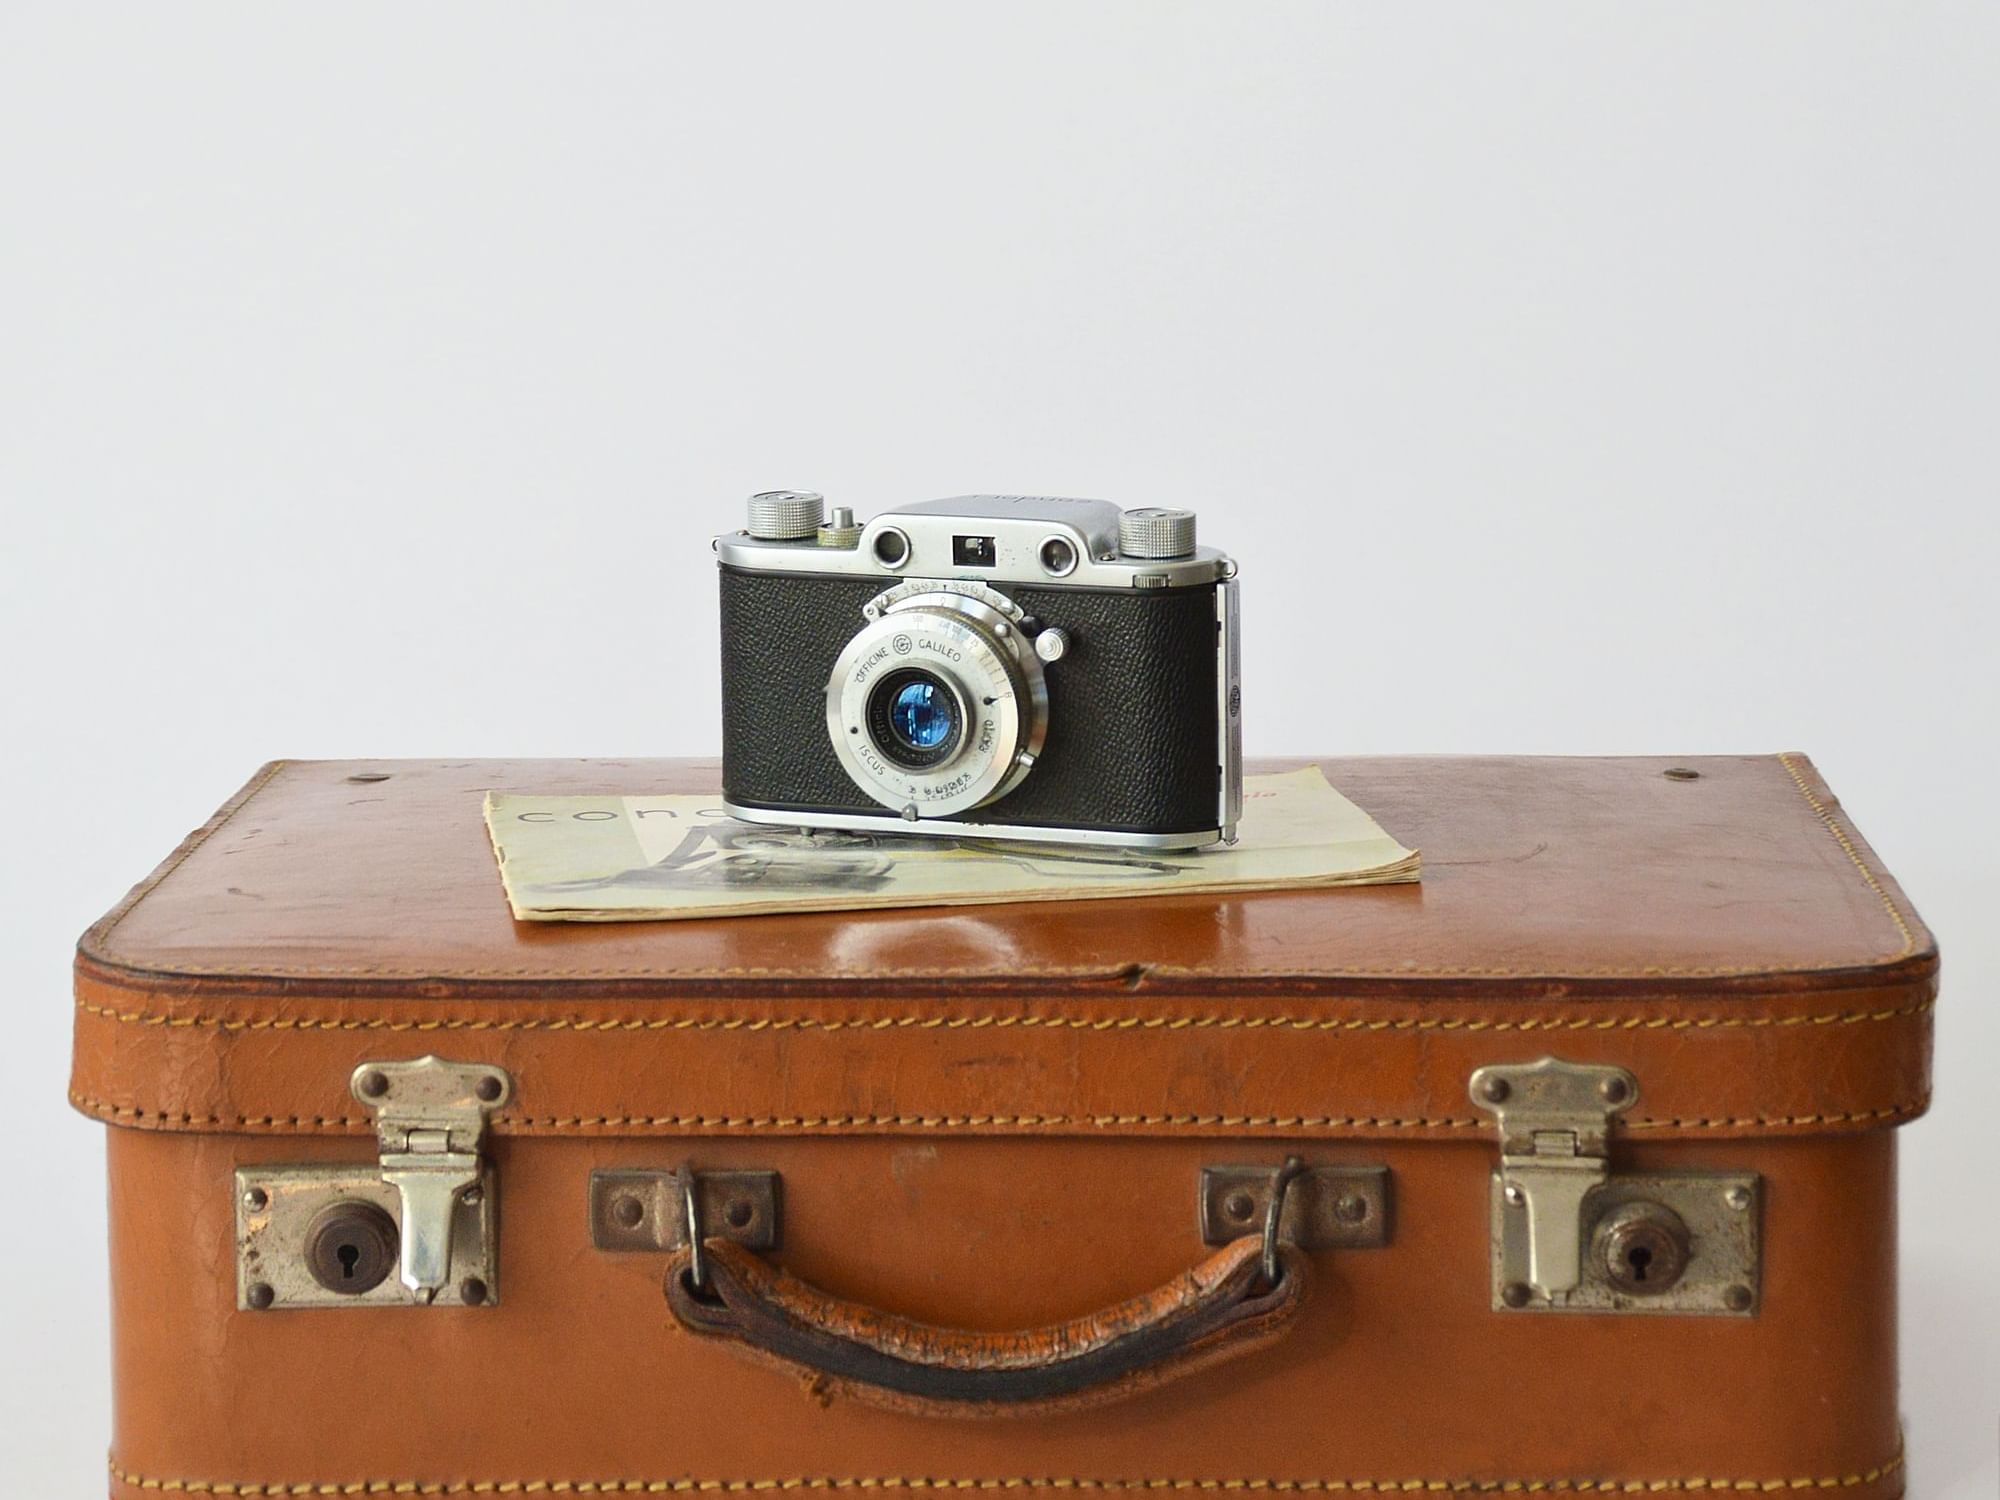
(1571, 1169)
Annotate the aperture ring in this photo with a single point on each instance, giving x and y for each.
(996, 684)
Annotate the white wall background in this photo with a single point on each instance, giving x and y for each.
(1567, 377)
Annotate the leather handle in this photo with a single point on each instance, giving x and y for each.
(1217, 1310)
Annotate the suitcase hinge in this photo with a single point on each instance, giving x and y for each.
(1570, 1234)
(430, 1118)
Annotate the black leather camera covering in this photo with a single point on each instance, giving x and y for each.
(1132, 704)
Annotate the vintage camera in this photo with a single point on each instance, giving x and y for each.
(999, 666)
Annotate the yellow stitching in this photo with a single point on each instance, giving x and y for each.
(981, 1022)
(106, 1110)
(1650, 971)
(1052, 1482)
(1843, 1117)
(1825, 815)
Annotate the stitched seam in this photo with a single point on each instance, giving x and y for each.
(1279, 1023)
(1820, 810)
(106, 1110)
(1832, 825)
(1054, 1482)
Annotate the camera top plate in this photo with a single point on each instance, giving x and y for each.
(1040, 539)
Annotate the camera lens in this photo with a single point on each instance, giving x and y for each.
(914, 719)
(920, 716)
(938, 704)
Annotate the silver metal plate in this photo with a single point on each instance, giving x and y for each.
(275, 1204)
(1326, 1208)
(1722, 1212)
(1005, 833)
(643, 1210)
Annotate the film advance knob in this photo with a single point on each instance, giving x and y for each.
(1153, 532)
(785, 515)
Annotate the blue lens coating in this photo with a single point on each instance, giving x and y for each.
(921, 714)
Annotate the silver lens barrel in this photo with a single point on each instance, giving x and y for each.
(957, 650)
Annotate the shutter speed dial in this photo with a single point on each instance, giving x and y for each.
(1156, 533)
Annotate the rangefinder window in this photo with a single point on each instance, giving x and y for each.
(972, 551)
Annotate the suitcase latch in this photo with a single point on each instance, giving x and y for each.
(1569, 1234)
(414, 1227)
(430, 1116)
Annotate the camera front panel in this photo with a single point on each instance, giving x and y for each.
(1132, 704)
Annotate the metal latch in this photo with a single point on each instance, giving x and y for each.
(1555, 1122)
(414, 1227)
(1570, 1234)
(430, 1116)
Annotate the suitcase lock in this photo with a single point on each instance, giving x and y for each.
(329, 1235)
(1661, 1242)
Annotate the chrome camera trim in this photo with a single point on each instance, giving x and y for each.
(1019, 525)
(966, 637)
(1019, 529)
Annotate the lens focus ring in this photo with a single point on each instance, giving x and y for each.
(937, 705)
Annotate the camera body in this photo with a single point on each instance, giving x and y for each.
(998, 666)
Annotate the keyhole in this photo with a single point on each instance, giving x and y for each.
(347, 1255)
(1638, 1258)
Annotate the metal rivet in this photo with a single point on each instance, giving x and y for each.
(488, 1088)
(627, 1211)
(472, 1291)
(472, 1197)
(1614, 1090)
(1738, 1298)
(1240, 1206)
(1515, 1294)
(256, 1199)
(1737, 1197)
(1514, 1194)
(373, 1084)
(369, 776)
(1681, 773)
(1351, 1209)
(260, 1295)
(1494, 1090)
(739, 1213)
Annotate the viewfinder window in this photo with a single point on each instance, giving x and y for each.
(972, 551)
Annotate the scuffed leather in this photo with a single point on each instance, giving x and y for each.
(1396, 1370)
(1213, 1312)
(959, 1101)
(1730, 939)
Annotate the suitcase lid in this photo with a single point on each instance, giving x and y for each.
(1728, 937)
